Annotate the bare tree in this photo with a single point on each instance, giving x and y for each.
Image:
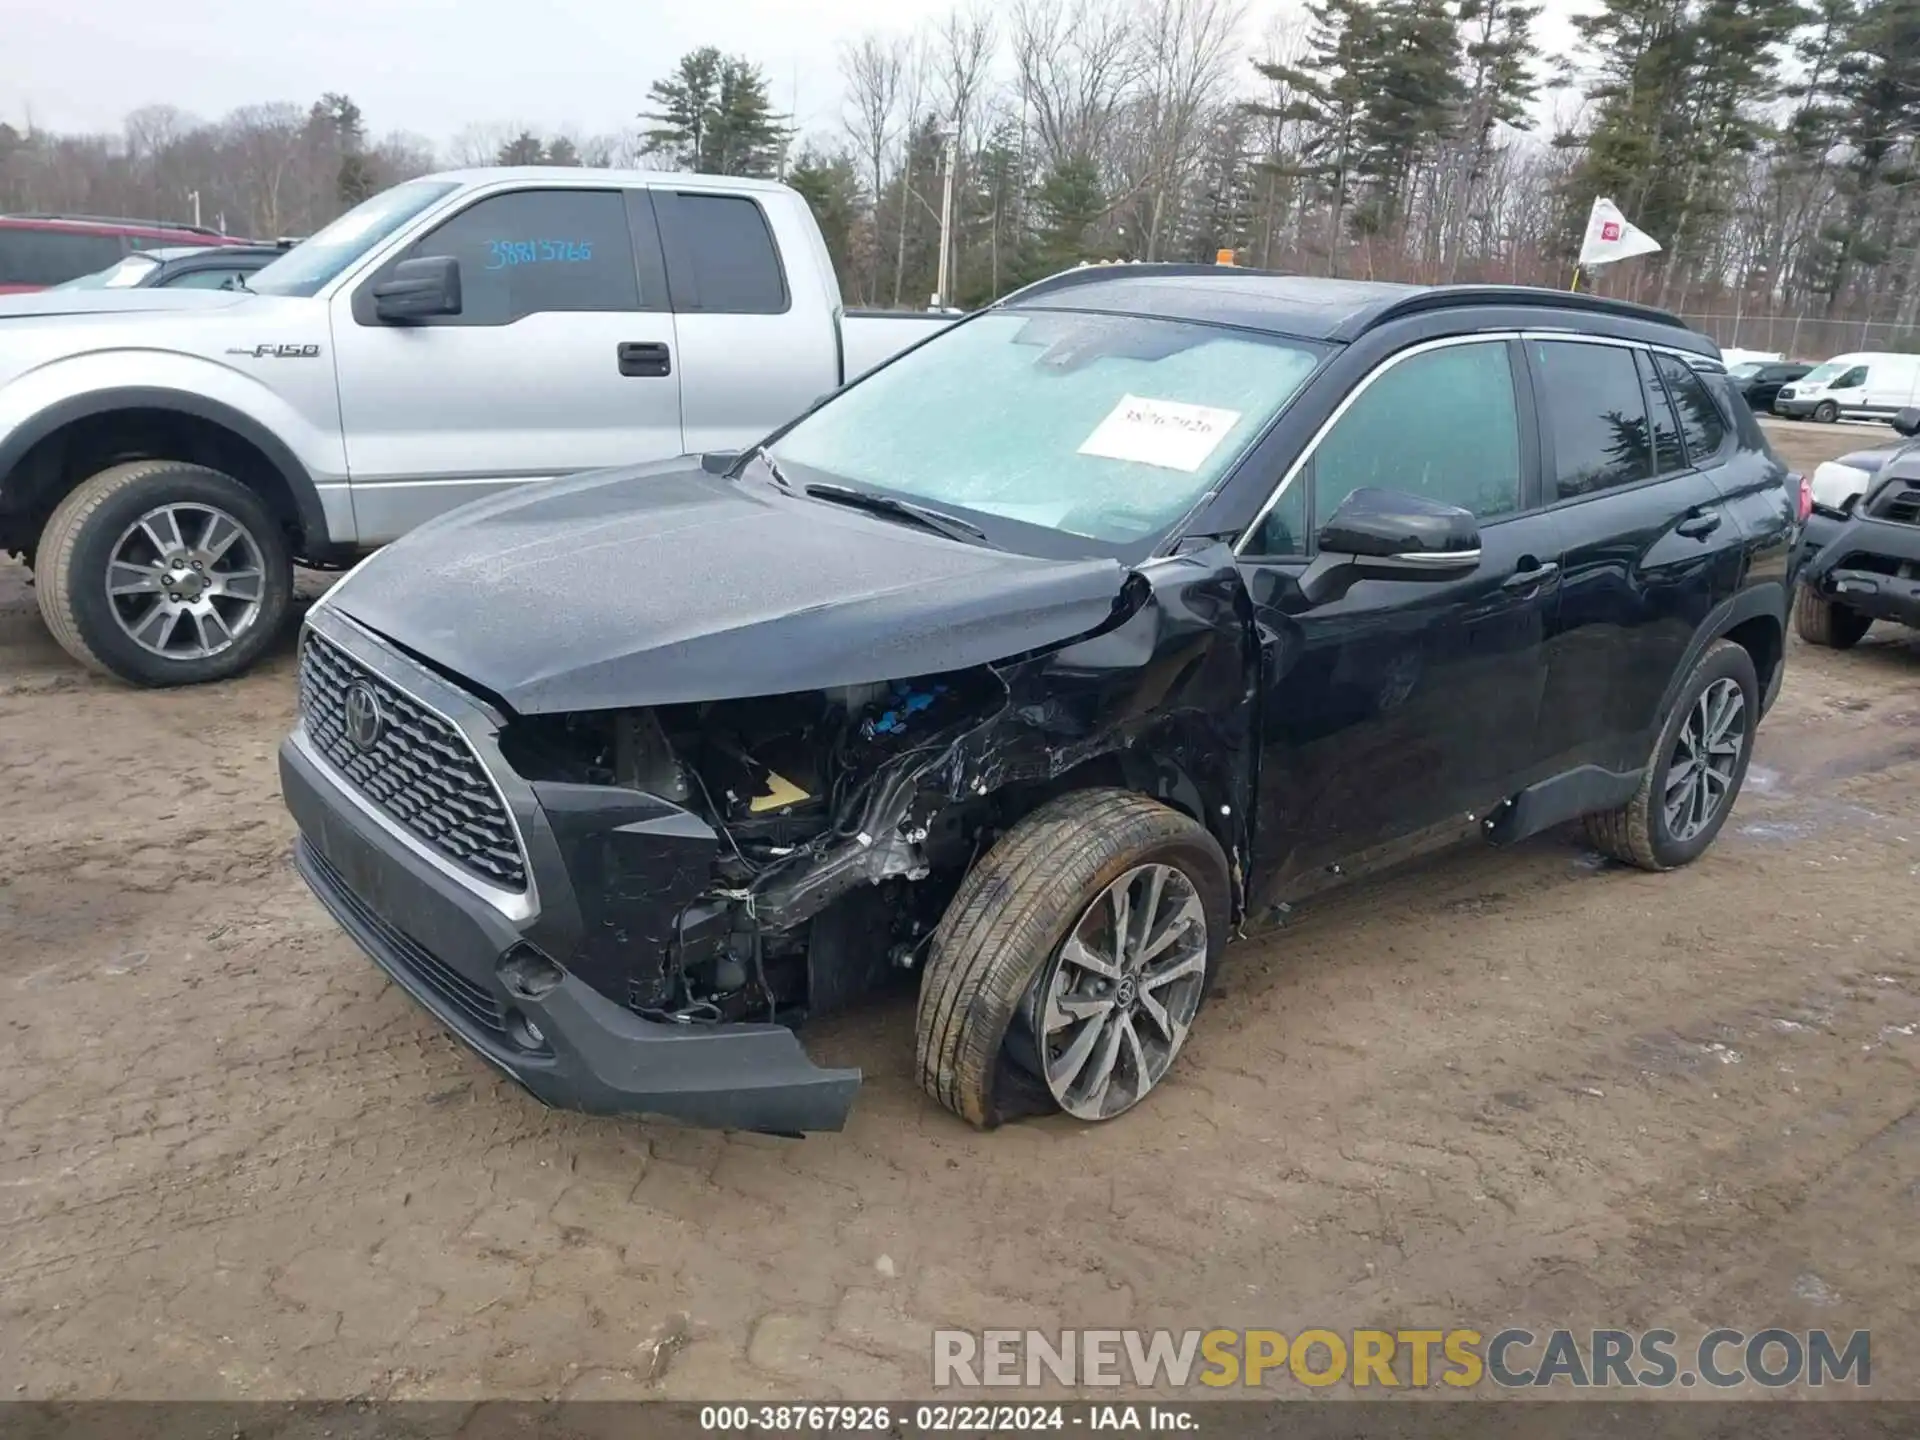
(872, 70)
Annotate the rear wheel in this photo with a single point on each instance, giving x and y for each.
(163, 573)
(1067, 972)
(1821, 621)
(1695, 771)
(1826, 412)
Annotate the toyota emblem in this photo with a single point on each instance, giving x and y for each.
(364, 718)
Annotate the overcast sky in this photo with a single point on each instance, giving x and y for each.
(435, 66)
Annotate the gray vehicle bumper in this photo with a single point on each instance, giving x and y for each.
(571, 1047)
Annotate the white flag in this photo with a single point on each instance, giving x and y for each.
(1611, 238)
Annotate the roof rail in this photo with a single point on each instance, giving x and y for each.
(1444, 297)
(1106, 270)
(180, 225)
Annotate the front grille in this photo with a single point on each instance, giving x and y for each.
(1900, 504)
(472, 1000)
(419, 770)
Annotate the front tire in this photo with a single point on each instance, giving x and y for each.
(1695, 772)
(1826, 412)
(1821, 621)
(163, 573)
(1067, 971)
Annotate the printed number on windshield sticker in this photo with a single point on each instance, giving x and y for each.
(504, 253)
(1167, 433)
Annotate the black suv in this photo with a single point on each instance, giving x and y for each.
(1862, 563)
(1033, 666)
(1758, 382)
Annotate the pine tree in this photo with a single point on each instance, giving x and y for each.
(713, 115)
(1878, 84)
(1332, 92)
(1412, 102)
(524, 149)
(831, 187)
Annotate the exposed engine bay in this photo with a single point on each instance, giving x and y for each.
(826, 806)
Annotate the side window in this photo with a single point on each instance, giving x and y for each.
(1853, 379)
(53, 257)
(1443, 424)
(1668, 453)
(1595, 414)
(201, 280)
(1705, 427)
(537, 251)
(721, 255)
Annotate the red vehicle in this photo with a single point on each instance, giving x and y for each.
(41, 250)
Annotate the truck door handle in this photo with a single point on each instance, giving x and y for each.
(645, 358)
(1532, 578)
(1698, 525)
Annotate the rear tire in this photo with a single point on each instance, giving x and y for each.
(1000, 947)
(1826, 412)
(1821, 621)
(1646, 832)
(199, 570)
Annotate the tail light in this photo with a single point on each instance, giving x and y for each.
(1806, 496)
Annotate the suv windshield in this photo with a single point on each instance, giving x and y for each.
(1107, 427)
(320, 257)
(1745, 370)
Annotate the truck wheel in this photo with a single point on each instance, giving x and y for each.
(1067, 972)
(1695, 771)
(1821, 621)
(164, 573)
(1826, 412)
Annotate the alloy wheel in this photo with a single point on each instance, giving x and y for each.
(1706, 759)
(1115, 1003)
(186, 581)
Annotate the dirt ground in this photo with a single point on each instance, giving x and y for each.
(1507, 1087)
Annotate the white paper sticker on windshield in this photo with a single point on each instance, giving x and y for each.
(1167, 433)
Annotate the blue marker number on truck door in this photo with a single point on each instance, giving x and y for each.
(504, 254)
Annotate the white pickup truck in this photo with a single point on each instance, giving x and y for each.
(167, 456)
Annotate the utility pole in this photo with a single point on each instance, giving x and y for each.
(952, 137)
(194, 196)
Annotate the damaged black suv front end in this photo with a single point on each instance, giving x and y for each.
(504, 903)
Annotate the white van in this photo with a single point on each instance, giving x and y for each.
(1871, 385)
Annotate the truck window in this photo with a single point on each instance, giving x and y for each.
(1595, 415)
(537, 251)
(52, 257)
(721, 255)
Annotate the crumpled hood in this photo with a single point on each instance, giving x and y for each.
(664, 584)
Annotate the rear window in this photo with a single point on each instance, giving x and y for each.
(722, 245)
(53, 256)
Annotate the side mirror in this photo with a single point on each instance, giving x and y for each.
(1907, 422)
(1390, 535)
(720, 462)
(419, 289)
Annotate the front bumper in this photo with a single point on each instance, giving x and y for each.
(571, 1046)
(1793, 407)
(1833, 545)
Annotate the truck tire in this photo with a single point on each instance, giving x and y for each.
(1821, 621)
(1719, 706)
(1028, 993)
(1826, 412)
(163, 573)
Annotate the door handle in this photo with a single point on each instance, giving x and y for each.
(1532, 578)
(641, 358)
(1698, 525)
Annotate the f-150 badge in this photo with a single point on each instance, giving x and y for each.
(276, 352)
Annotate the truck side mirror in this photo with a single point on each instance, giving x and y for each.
(419, 289)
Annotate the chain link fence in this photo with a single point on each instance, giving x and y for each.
(1801, 337)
